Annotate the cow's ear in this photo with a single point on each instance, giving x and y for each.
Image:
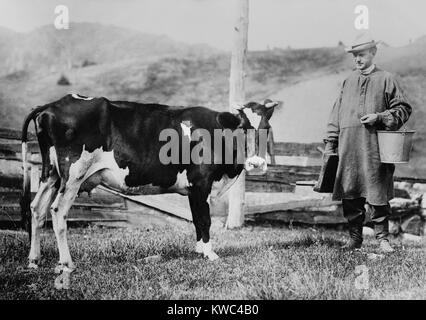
(252, 105)
(228, 120)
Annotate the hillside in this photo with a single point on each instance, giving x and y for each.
(48, 49)
(117, 63)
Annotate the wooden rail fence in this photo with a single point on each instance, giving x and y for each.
(104, 206)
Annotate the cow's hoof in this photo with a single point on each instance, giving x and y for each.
(58, 268)
(211, 256)
(64, 267)
(199, 247)
(33, 265)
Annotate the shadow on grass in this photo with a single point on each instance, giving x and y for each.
(300, 242)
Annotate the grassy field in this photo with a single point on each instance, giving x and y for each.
(257, 262)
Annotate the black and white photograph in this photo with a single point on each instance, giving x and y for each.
(219, 152)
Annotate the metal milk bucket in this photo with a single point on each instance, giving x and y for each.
(395, 146)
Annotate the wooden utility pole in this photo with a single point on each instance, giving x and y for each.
(237, 98)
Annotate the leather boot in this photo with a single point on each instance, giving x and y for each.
(355, 233)
(381, 229)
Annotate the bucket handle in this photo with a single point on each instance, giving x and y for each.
(403, 123)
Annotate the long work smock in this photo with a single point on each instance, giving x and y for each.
(360, 172)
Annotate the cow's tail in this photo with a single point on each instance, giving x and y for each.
(26, 192)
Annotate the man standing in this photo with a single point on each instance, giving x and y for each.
(370, 100)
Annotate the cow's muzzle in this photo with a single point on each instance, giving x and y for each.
(256, 164)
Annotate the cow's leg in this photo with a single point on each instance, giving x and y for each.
(195, 219)
(59, 211)
(39, 208)
(68, 191)
(201, 216)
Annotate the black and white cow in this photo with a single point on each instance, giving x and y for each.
(85, 142)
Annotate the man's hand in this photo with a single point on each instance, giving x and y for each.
(330, 148)
(369, 119)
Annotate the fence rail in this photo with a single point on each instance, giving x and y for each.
(12, 134)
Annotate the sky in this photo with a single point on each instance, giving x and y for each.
(272, 23)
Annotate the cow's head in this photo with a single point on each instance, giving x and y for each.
(256, 116)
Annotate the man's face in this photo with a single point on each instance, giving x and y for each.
(363, 59)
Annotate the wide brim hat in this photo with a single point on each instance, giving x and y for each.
(362, 42)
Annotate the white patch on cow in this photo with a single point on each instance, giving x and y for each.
(54, 158)
(255, 162)
(182, 184)
(253, 117)
(114, 172)
(104, 163)
(199, 247)
(208, 251)
(186, 129)
(77, 96)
